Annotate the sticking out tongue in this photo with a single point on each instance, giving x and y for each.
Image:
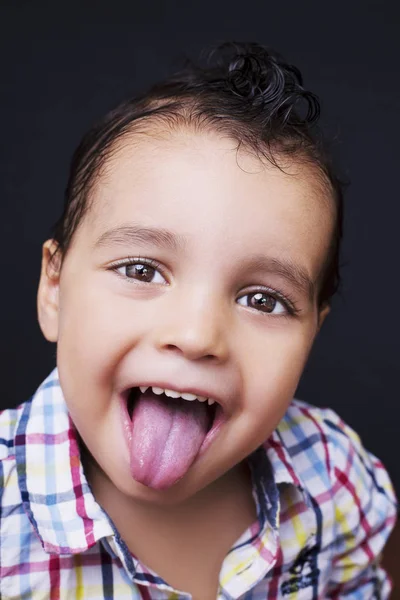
(166, 436)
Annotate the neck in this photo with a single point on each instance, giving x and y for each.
(185, 540)
(234, 487)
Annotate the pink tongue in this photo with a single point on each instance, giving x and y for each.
(166, 437)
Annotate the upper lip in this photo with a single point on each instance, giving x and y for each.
(197, 391)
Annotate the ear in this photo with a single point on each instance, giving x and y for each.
(323, 313)
(48, 292)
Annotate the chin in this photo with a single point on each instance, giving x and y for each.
(177, 493)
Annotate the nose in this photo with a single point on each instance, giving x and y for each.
(194, 326)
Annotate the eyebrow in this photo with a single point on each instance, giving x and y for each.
(286, 268)
(135, 234)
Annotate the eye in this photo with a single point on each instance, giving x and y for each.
(264, 302)
(140, 270)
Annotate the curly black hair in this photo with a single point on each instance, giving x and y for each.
(243, 90)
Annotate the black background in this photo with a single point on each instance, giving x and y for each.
(63, 64)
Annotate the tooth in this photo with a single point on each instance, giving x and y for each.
(158, 391)
(144, 388)
(172, 393)
(188, 396)
(211, 401)
(201, 398)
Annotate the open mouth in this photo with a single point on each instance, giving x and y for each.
(166, 431)
(178, 401)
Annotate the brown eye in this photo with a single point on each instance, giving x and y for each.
(263, 302)
(141, 272)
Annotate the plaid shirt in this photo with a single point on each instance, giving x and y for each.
(325, 508)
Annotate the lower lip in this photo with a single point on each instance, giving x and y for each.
(219, 420)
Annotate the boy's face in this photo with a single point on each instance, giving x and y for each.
(213, 309)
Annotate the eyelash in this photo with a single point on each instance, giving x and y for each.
(289, 303)
(137, 260)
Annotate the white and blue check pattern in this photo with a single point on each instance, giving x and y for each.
(325, 508)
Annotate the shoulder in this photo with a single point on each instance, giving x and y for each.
(9, 420)
(322, 446)
(8, 423)
(351, 501)
(16, 532)
(11, 509)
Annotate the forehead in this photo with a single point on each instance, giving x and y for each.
(201, 187)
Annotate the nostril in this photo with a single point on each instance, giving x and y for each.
(189, 354)
(192, 347)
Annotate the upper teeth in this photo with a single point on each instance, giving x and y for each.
(175, 394)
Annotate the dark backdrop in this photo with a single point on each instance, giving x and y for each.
(65, 63)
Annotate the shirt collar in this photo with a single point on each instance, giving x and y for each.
(55, 493)
(281, 460)
(271, 466)
(57, 497)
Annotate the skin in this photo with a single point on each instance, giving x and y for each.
(191, 325)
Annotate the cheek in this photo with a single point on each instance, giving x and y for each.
(274, 370)
(92, 320)
(94, 334)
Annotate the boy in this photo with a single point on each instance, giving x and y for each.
(184, 286)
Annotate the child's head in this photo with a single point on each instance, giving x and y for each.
(197, 252)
